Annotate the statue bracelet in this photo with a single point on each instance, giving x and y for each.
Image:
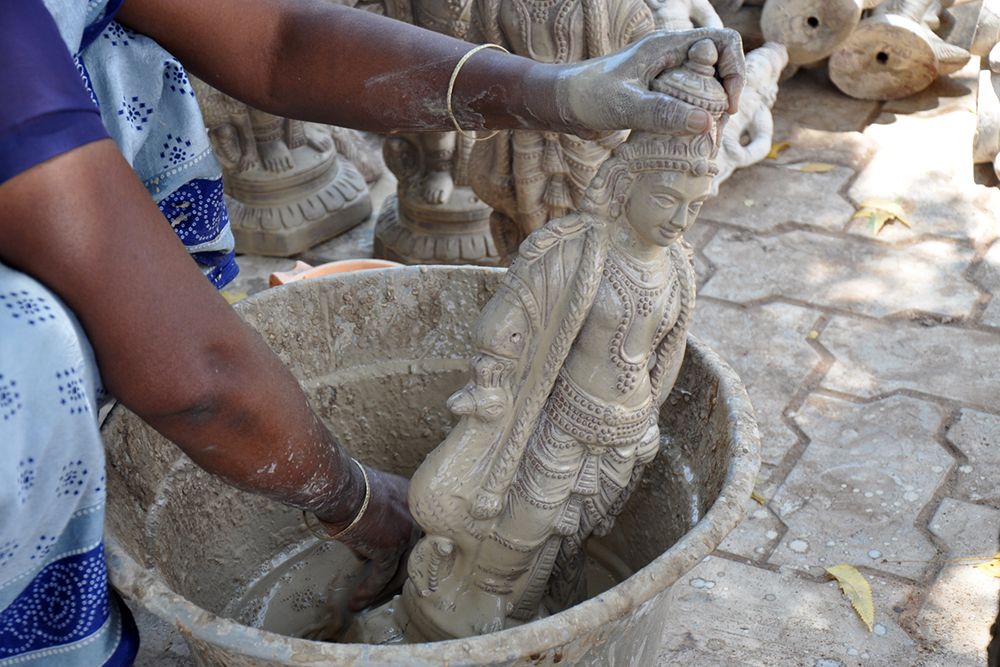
(451, 90)
(351, 526)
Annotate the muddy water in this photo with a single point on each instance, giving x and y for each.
(294, 594)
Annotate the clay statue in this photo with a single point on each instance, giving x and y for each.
(577, 350)
(894, 53)
(287, 183)
(532, 177)
(435, 217)
(746, 139)
(683, 14)
(811, 29)
(986, 44)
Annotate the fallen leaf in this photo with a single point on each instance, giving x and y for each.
(992, 568)
(881, 211)
(812, 335)
(857, 590)
(758, 497)
(777, 148)
(815, 168)
(233, 297)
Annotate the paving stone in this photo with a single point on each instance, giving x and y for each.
(962, 603)
(810, 100)
(874, 358)
(857, 490)
(728, 613)
(849, 149)
(768, 348)
(977, 435)
(933, 176)
(763, 196)
(756, 536)
(956, 91)
(839, 273)
(987, 272)
(255, 273)
(991, 317)
(160, 645)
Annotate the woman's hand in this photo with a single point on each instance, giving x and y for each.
(385, 535)
(614, 92)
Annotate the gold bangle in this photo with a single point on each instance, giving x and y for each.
(357, 519)
(451, 90)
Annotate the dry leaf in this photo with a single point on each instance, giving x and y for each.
(758, 497)
(992, 568)
(777, 148)
(812, 335)
(233, 297)
(856, 588)
(881, 211)
(816, 168)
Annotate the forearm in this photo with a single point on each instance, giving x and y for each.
(167, 345)
(314, 60)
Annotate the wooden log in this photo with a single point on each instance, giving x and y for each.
(889, 57)
(811, 29)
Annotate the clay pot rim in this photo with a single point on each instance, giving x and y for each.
(539, 637)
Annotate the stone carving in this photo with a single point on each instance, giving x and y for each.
(986, 44)
(894, 53)
(287, 183)
(577, 350)
(684, 14)
(746, 139)
(435, 217)
(532, 177)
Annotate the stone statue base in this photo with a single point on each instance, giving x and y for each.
(410, 231)
(282, 214)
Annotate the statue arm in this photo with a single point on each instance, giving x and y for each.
(761, 133)
(704, 14)
(323, 62)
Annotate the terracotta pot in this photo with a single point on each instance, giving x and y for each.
(301, 270)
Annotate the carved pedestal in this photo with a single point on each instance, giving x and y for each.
(434, 217)
(282, 214)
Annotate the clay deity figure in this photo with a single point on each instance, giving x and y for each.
(577, 350)
(684, 14)
(532, 177)
(746, 139)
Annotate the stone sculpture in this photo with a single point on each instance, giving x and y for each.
(683, 14)
(986, 44)
(746, 139)
(578, 348)
(894, 53)
(435, 217)
(532, 177)
(287, 184)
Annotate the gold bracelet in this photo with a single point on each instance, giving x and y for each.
(357, 519)
(451, 90)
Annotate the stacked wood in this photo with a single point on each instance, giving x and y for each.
(894, 53)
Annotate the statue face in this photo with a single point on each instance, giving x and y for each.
(661, 205)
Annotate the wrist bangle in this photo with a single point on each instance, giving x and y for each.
(342, 534)
(451, 91)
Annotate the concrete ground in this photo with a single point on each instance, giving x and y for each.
(874, 366)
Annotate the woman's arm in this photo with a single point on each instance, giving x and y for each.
(172, 350)
(324, 62)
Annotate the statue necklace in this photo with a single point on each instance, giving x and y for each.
(630, 280)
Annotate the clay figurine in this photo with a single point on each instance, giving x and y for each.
(894, 53)
(683, 14)
(287, 185)
(532, 177)
(986, 44)
(435, 217)
(577, 350)
(746, 138)
(811, 29)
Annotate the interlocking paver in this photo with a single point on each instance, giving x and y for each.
(770, 381)
(845, 274)
(932, 175)
(875, 357)
(977, 435)
(813, 101)
(856, 492)
(753, 617)
(764, 196)
(756, 536)
(956, 616)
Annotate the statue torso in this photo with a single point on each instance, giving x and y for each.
(545, 30)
